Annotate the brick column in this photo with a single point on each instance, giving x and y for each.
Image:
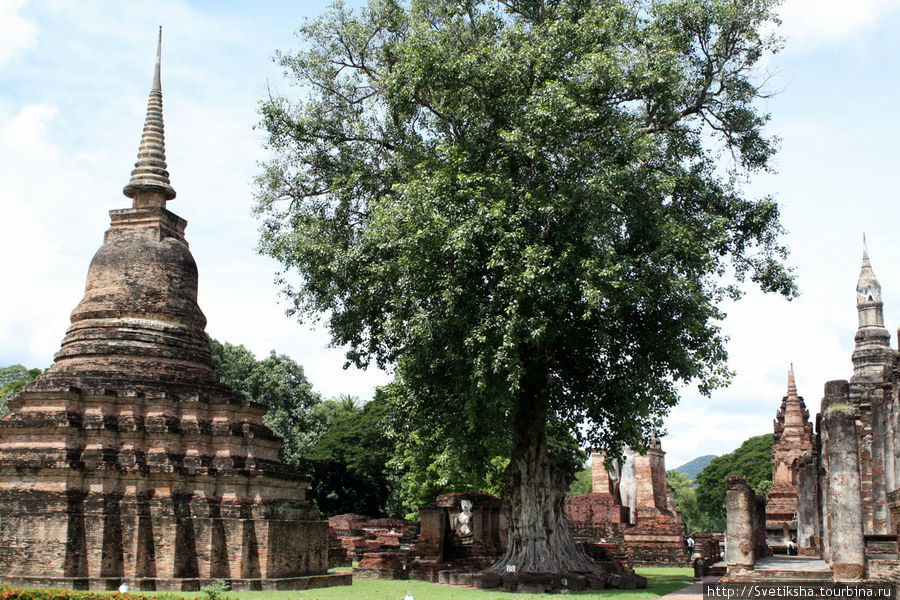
(599, 474)
(808, 505)
(844, 504)
(824, 466)
(879, 437)
(740, 542)
(889, 469)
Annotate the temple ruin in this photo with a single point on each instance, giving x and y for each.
(128, 460)
(793, 438)
(631, 508)
(851, 475)
(848, 482)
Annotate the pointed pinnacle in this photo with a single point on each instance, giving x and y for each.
(156, 82)
(866, 274)
(792, 386)
(149, 184)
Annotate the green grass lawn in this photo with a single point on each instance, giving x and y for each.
(660, 581)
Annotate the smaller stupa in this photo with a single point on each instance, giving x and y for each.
(793, 438)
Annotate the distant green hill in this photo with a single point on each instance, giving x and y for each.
(695, 466)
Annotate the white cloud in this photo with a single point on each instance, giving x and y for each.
(16, 32)
(27, 131)
(809, 23)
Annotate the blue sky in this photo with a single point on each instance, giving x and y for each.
(74, 78)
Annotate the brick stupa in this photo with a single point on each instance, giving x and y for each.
(793, 439)
(128, 460)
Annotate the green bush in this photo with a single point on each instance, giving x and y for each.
(10, 593)
(214, 590)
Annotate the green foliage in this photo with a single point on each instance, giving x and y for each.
(582, 484)
(427, 462)
(348, 461)
(216, 589)
(485, 195)
(763, 487)
(281, 385)
(695, 519)
(753, 460)
(10, 593)
(428, 466)
(12, 379)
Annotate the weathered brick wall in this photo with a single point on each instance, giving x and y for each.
(708, 546)
(656, 542)
(296, 548)
(38, 537)
(650, 484)
(655, 554)
(593, 517)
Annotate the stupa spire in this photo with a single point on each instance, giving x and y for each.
(868, 290)
(792, 386)
(872, 352)
(149, 184)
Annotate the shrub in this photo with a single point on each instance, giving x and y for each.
(11, 593)
(214, 590)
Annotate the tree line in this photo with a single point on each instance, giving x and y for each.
(360, 456)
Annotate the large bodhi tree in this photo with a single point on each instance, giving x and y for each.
(529, 209)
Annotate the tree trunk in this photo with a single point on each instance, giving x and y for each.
(538, 537)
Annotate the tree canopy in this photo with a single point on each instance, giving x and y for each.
(348, 461)
(521, 206)
(753, 460)
(12, 379)
(278, 382)
(695, 519)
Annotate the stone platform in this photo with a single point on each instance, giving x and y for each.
(785, 568)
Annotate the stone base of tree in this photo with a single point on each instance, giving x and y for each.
(458, 572)
(541, 583)
(537, 583)
(380, 573)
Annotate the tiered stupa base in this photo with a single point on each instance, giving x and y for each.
(95, 491)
